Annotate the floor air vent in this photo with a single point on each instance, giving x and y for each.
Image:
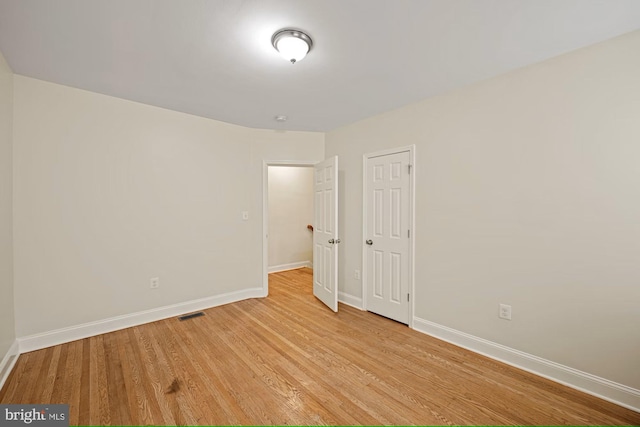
(191, 316)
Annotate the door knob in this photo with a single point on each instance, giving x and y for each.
(331, 241)
(337, 241)
(369, 242)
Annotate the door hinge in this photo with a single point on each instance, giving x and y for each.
(407, 297)
(409, 233)
(409, 167)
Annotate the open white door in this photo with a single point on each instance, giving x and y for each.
(325, 233)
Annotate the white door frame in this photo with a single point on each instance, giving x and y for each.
(265, 212)
(412, 224)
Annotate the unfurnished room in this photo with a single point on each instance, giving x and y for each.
(336, 212)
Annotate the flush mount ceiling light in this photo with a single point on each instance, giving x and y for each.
(292, 44)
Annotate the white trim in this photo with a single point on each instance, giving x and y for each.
(412, 241)
(611, 391)
(8, 362)
(412, 222)
(350, 300)
(363, 271)
(73, 333)
(291, 266)
(388, 151)
(265, 211)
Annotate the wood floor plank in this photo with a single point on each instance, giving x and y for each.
(71, 378)
(280, 380)
(18, 376)
(115, 380)
(84, 397)
(222, 403)
(39, 370)
(287, 359)
(46, 387)
(154, 387)
(183, 407)
(139, 407)
(329, 364)
(58, 389)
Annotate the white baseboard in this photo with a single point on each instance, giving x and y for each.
(350, 300)
(8, 361)
(619, 394)
(292, 266)
(73, 333)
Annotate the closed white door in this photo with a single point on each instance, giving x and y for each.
(387, 238)
(325, 233)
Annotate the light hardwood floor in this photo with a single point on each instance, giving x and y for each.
(287, 359)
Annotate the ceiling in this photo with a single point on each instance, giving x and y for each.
(214, 58)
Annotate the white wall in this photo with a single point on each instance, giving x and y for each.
(109, 193)
(7, 329)
(290, 211)
(528, 193)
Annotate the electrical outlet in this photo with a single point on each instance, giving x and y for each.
(154, 283)
(356, 274)
(505, 312)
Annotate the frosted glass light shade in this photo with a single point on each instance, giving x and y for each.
(293, 45)
(292, 49)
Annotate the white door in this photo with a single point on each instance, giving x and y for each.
(325, 233)
(387, 241)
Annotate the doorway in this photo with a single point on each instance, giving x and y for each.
(325, 228)
(290, 210)
(388, 230)
(265, 211)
